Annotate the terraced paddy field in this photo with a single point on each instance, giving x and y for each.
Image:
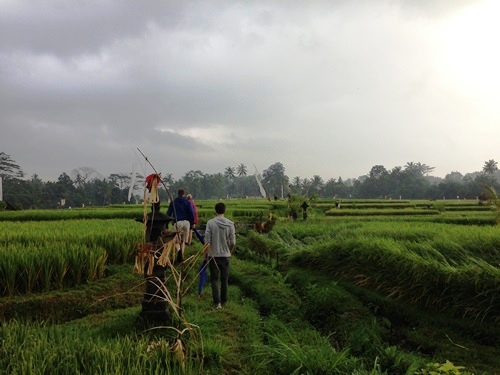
(364, 287)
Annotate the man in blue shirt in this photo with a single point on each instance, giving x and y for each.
(181, 210)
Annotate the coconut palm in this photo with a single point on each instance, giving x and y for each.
(306, 185)
(296, 184)
(490, 166)
(229, 172)
(241, 169)
(317, 184)
(418, 168)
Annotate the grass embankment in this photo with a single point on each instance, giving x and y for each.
(440, 267)
(120, 289)
(423, 283)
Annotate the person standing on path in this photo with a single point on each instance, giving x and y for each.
(220, 240)
(181, 210)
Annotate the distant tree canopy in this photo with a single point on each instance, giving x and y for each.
(8, 167)
(275, 180)
(86, 187)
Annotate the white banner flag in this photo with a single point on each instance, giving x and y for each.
(258, 179)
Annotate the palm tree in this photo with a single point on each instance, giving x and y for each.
(306, 185)
(418, 168)
(229, 172)
(425, 169)
(317, 184)
(296, 184)
(241, 169)
(168, 179)
(490, 166)
(9, 168)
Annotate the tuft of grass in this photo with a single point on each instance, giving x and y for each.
(301, 351)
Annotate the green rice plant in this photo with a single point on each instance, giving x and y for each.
(29, 270)
(103, 213)
(495, 202)
(404, 266)
(236, 212)
(69, 264)
(96, 264)
(323, 305)
(381, 212)
(268, 289)
(8, 272)
(53, 254)
(467, 208)
(34, 348)
(232, 338)
(264, 248)
(483, 243)
(60, 268)
(46, 273)
(119, 244)
(381, 204)
(306, 352)
(118, 237)
(77, 264)
(298, 231)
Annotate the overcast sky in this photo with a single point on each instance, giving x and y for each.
(327, 88)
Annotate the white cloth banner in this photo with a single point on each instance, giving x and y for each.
(258, 179)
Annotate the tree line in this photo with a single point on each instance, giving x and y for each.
(86, 187)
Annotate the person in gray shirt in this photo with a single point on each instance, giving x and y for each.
(220, 240)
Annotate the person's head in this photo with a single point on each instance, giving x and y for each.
(220, 208)
(189, 196)
(181, 192)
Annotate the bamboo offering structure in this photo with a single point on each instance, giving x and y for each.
(155, 256)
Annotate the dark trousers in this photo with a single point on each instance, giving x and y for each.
(219, 267)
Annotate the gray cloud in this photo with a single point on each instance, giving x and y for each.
(328, 88)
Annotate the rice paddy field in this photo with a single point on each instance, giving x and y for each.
(367, 287)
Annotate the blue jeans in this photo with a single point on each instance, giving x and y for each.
(219, 266)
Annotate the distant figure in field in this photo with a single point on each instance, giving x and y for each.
(304, 207)
(195, 213)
